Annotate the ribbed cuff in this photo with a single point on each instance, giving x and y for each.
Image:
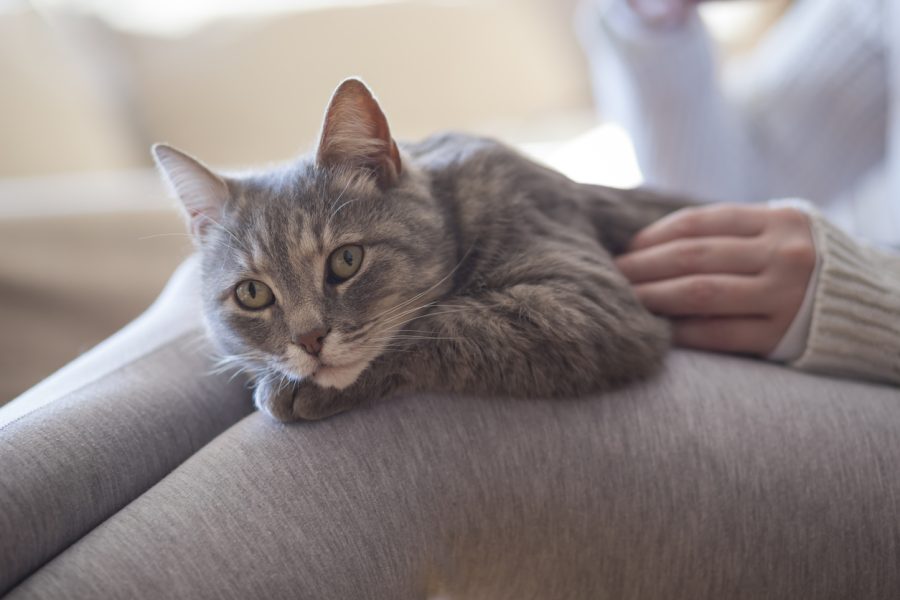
(793, 342)
(855, 327)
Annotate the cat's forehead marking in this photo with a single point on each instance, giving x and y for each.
(246, 260)
(256, 259)
(260, 247)
(308, 243)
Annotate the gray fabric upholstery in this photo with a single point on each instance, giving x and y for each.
(87, 441)
(722, 478)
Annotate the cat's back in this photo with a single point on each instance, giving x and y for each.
(487, 178)
(476, 169)
(452, 150)
(502, 204)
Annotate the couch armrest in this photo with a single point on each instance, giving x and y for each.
(92, 437)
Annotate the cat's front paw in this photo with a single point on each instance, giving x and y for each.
(288, 401)
(313, 402)
(275, 397)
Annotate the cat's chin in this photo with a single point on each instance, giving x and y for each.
(338, 377)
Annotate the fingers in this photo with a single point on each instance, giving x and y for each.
(688, 256)
(712, 220)
(704, 295)
(731, 276)
(747, 335)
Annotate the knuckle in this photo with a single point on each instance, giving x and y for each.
(701, 292)
(688, 257)
(797, 218)
(791, 218)
(799, 254)
(691, 220)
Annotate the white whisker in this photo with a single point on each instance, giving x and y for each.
(338, 199)
(161, 235)
(420, 294)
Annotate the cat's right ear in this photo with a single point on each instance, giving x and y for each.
(356, 134)
(202, 193)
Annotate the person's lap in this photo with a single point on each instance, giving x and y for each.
(721, 478)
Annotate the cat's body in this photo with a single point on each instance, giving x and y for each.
(546, 312)
(471, 270)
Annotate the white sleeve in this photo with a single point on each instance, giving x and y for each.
(804, 116)
(793, 342)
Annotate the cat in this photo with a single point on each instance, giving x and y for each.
(453, 265)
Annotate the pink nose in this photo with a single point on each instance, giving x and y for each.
(311, 341)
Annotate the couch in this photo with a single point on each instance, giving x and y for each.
(135, 472)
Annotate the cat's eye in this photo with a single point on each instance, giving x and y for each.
(253, 295)
(344, 263)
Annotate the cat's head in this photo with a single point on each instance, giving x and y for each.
(313, 269)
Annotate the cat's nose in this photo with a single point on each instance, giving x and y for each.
(311, 341)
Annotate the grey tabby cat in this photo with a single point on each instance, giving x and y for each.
(450, 265)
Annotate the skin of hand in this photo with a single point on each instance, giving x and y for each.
(731, 277)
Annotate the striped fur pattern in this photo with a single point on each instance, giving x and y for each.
(483, 272)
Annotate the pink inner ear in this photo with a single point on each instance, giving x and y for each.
(199, 221)
(356, 133)
(203, 194)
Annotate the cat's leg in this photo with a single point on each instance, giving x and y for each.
(288, 401)
(275, 397)
(564, 339)
(580, 332)
(568, 339)
(618, 214)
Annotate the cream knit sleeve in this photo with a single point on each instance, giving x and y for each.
(855, 329)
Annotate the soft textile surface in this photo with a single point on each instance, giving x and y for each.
(722, 478)
(88, 440)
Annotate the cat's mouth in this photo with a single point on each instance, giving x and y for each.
(337, 376)
(337, 371)
(322, 366)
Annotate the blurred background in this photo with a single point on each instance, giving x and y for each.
(87, 234)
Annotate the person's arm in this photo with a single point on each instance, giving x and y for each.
(734, 278)
(805, 116)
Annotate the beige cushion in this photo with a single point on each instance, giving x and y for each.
(57, 112)
(68, 282)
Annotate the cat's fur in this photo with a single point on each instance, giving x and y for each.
(483, 273)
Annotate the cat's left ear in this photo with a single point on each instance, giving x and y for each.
(202, 193)
(356, 134)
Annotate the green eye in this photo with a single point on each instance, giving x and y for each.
(344, 263)
(253, 295)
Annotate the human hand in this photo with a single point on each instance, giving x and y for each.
(732, 277)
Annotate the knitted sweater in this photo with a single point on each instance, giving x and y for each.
(809, 114)
(855, 327)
